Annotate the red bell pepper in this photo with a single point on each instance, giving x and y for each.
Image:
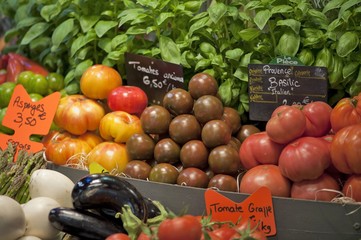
(29, 64)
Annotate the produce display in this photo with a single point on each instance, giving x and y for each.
(197, 137)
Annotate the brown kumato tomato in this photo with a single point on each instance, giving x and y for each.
(193, 177)
(155, 119)
(137, 169)
(194, 154)
(140, 146)
(207, 108)
(246, 130)
(223, 182)
(232, 118)
(166, 151)
(184, 128)
(224, 159)
(216, 133)
(202, 84)
(178, 101)
(164, 173)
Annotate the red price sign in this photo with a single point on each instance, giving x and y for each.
(26, 118)
(258, 208)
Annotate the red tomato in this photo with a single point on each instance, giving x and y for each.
(98, 80)
(317, 118)
(305, 158)
(346, 112)
(250, 154)
(69, 150)
(210, 235)
(119, 126)
(266, 175)
(352, 187)
(118, 236)
(345, 150)
(130, 99)
(110, 155)
(180, 228)
(316, 189)
(78, 114)
(249, 229)
(143, 236)
(224, 232)
(286, 125)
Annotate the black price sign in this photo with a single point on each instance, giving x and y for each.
(154, 76)
(272, 85)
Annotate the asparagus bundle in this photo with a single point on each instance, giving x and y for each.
(15, 175)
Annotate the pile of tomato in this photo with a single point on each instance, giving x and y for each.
(94, 125)
(307, 152)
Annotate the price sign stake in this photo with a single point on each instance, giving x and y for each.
(26, 118)
(257, 207)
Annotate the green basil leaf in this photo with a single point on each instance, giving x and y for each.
(249, 34)
(241, 73)
(135, 30)
(252, 5)
(347, 5)
(281, 9)
(347, 43)
(202, 64)
(61, 31)
(48, 12)
(318, 18)
(288, 44)
(246, 59)
(33, 32)
(27, 22)
(164, 17)
(83, 53)
(106, 44)
(334, 25)
(118, 40)
(102, 27)
(262, 18)
(234, 54)
(217, 11)
(81, 41)
(225, 92)
(201, 23)
(129, 15)
(349, 69)
(87, 22)
(331, 5)
(69, 77)
(292, 23)
(81, 67)
(169, 50)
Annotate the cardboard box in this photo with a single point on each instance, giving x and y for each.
(295, 219)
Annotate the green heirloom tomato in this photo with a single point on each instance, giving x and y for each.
(35, 97)
(6, 91)
(55, 81)
(24, 78)
(4, 129)
(38, 84)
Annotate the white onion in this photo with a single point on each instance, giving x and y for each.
(52, 184)
(37, 218)
(12, 219)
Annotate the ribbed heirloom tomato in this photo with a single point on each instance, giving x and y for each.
(119, 126)
(78, 114)
(110, 155)
(346, 112)
(286, 124)
(345, 149)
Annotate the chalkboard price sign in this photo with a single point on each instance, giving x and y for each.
(154, 76)
(272, 85)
